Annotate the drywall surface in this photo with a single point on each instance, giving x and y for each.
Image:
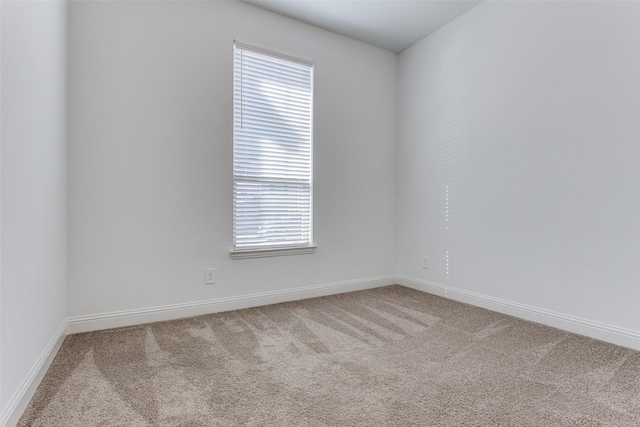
(33, 152)
(150, 155)
(519, 157)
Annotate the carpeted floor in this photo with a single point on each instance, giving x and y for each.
(383, 357)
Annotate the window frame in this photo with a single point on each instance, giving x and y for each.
(282, 248)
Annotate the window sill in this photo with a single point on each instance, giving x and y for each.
(261, 253)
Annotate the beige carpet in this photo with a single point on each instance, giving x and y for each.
(384, 357)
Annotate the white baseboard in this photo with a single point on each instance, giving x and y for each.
(18, 403)
(118, 319)
(613, 334)
(601, 331)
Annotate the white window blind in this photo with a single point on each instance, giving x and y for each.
(272, 151)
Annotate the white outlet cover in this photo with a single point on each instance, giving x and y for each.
(425, 262)
(210, 276)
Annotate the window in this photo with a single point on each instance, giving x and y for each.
(272, 154)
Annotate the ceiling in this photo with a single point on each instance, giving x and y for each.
(390, 24)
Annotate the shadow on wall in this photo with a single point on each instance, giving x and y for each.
(454, 139)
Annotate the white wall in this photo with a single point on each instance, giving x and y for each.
(33, 184)
(529, 114)
(150, 150)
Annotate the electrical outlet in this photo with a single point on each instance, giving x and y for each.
(210, 276)
(425, 262)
